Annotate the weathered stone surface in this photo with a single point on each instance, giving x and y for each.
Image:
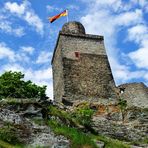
(100, 144)
(43, 136)
(86, 78)
(31, 134)
(134, 128)
(10, 116)
(136, 94)
(73, 27)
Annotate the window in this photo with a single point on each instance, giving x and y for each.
(77, 54)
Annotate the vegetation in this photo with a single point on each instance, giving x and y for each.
(83, 114)
(111, 143)
(12, 85)
(78, 138)
(8, 138)
(79, 117)
(69, 124)
(123, 106)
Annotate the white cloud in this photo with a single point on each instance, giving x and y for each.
(34, 21)
(6, 26)
(19, 31)
(44, 57)
(12, 56)
(41, 77)
(73, 7)
(107, 18)
(53, 8)
(22, 57)
(15, 8)
(13, 67)
(129, 18)
(122, 73)
(6, 52)
(25, 12)
(27, 49)
(139, 34)
(140, 57)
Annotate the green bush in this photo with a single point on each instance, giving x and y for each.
(83, 114)
(123, 106)
(13, 85)
(7, 135)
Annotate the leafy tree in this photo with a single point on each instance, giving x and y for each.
(13, 85)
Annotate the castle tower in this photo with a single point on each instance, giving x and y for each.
(81, 70)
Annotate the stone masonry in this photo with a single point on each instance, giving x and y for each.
(81, 70)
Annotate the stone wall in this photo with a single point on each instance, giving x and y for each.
(136, 94)
(90, 44)
(88, 77)
(57, 67)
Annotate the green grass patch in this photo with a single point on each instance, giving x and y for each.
(4, 144)
(111, 143)
(8, 137)
(78, 139)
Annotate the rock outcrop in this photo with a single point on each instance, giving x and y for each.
(31, 134)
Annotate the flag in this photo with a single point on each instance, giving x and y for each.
(64, 13)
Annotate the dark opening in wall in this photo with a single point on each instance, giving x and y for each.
(77, 54)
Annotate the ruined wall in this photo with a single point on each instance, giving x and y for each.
(88, 77)
(136, 94)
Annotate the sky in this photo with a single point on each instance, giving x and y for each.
(27, 38)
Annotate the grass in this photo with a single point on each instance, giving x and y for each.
(144, 141)
(8, 137)
(4, 144)
(81, 140)
(78, 139)
(111, 143)
(13, 101)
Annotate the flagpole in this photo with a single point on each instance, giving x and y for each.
(67, 16)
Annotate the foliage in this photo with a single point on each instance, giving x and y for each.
(111, 143)
(83, 114)
(5, 144)
(65, 117)
(123, 106)
(78, 139)
(7, 135)
(80, 116)
(13, 85)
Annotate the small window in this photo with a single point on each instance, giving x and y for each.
(77, 54)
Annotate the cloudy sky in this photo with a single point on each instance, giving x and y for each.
(27, 39)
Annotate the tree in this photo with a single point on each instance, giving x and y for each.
(12, 84)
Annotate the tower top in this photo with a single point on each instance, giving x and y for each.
(73, 28)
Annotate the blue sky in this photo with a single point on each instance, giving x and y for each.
(27, 39)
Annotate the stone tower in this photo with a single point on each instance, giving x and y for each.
(81, 70)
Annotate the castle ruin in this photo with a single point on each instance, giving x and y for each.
(81, 69)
